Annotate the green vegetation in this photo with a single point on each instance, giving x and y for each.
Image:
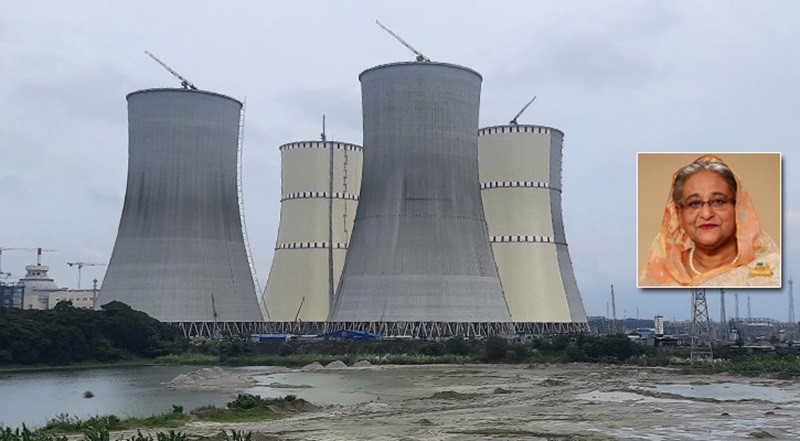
(607, 349)
(103, 434)
(67, 335)
(66, 424)
(118, 335)
(248, 407)
(97, 428)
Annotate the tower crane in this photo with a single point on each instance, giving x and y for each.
(186, 84)
(513, 121)
(10, 249)
(80, 265)
(420, 56)
(39, 252)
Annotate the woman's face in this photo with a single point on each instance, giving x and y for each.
(707, 212)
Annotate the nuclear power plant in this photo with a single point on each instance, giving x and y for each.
(180, 254)
(320, 182)
(520, 172)
(433, 228)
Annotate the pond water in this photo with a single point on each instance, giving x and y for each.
(731, 392)
(33, 398)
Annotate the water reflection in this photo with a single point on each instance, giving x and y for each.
(33, 398)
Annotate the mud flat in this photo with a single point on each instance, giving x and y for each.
(539, 402)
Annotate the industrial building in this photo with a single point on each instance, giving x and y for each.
(12, 294)
(320, 182)
(520, 181)
(180, 255)
(38, 286)
(80, 298)
(419, 250)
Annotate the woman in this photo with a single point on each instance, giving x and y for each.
(710, 234)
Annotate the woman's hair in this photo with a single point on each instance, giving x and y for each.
(685, 173)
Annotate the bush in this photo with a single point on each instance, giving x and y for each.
(457, 346)
(432, 348)
(495, 349)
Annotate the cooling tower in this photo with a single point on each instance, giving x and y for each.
(420, 248)
(299, 284)
(179, 254)
(520, 173)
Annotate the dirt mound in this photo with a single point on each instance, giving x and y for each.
(336, 365)
(312, 366)
(362, 364)
(214, 378)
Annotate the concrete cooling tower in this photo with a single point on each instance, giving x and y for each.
(301, 278)
(520, 173)
(420, 247)
(179, 254)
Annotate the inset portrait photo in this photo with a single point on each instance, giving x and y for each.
(709, 220)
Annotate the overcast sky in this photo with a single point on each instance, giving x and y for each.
(616, 76)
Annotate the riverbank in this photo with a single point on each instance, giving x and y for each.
(533, 402)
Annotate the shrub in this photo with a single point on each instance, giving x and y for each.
(495, 348)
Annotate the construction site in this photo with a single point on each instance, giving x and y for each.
(433, 227)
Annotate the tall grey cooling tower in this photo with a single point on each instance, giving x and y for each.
(420, 249)
(179, 254)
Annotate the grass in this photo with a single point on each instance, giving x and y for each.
(243, 408)
(187, 359)
(65, 424)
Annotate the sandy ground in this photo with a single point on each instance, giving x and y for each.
(539, 402)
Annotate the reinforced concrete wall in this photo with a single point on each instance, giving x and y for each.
(520, 174)
(179, 254)
(420, 247)
(299, 280)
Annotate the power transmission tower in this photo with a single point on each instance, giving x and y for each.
(723, 320)
(736, 300)
(700, 333)
(792, 319)
(613, 312)
(749, 311)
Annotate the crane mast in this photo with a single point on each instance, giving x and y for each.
(513, 121)
(186, 84)
(80, 265)
(420, 56)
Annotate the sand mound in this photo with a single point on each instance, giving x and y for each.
(362, 364)
(312, 367)
(338, 364)
(214, 378)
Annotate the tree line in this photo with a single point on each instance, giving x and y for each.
(67, 335)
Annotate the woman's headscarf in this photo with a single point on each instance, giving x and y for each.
(664, 265)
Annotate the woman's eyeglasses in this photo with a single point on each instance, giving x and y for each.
(717, 203)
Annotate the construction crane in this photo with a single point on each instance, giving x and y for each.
(80, 265)
(186, 84)
(10, 249)
(297, 316)
(420, 56)
(513, 121)
(39, 252)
